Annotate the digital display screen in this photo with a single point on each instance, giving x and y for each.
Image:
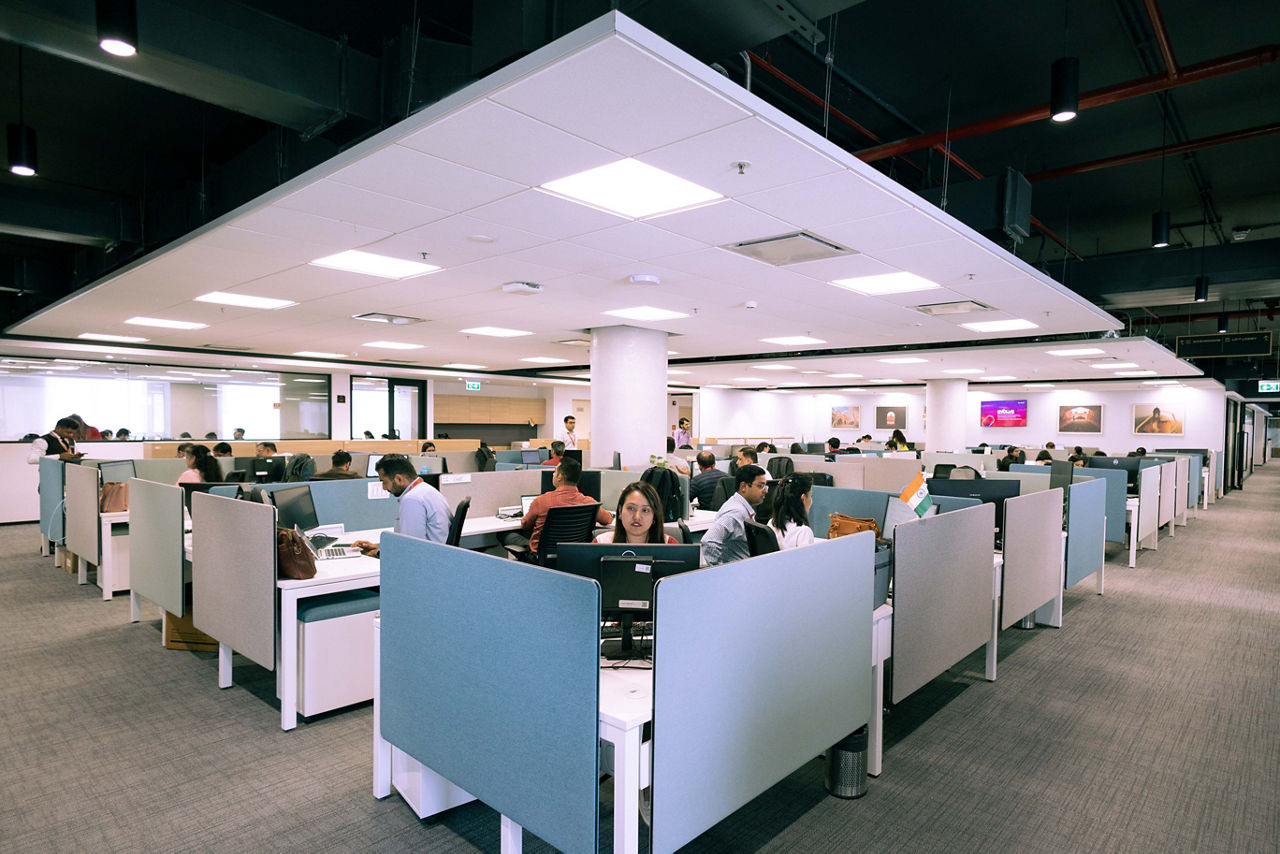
(1003, 413)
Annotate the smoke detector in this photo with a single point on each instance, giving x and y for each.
(524, 289)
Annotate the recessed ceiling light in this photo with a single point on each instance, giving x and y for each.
(393, 345)
(845, 376)
(243, 300)
(162, 323)
(886, 382)
(781, 391)
(1038, 385)
(999, 378)
(581, 342)
(645, 312)
(748, 380)
(888, 283)
(584, 376)
(545, 360)
(673, 352)
(632, 189)
(674, 372)
(1136, 373)
(303, 380)
(962, 370)
(773, 367)
(1160, 382)
(120, 339)
(463, 366)
(718, 385)
(793, 341)
(811, 372)
(317, 354)
(792, 385)
(355, 261)
(1107, 365)
(1000, 325)
(903, 360)
(1077, 351)
(494, 332)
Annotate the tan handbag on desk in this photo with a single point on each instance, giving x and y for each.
(294, 559)
(842, 525)
(114, 497)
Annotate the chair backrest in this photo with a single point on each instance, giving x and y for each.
(943, 469)
(459, 517)
(963, 473)
(725, 487)
(780, 467)
(761, 540)
(571, 523)
(685, 536)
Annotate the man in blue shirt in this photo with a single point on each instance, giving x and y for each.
(424, 513)
(726, 539)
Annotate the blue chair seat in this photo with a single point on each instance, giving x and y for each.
(334, 605)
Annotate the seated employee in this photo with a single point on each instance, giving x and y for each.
(1012, 456)
(340, 468)
(557, 454)
(747, 456)
(726, 539)
(275, 473)
(564, 482)
(833, 447)
(222, 449)
(423, 511)
(703, 485)
(674, 461)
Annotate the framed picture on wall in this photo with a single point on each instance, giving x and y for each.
(1081, 418)
(891, 418)
(845, 416)
(1165, 419)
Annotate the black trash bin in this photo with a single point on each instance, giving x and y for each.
(846, 775)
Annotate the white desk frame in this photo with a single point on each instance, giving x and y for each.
(113, 572)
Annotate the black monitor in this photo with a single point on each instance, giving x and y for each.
(988, 490)
(530, 457)
(243, 463)
(588, 482)
(371, 470)
(1129, 465)
(1060, 474)
(294, 507)
(815, 448)
(621, 597)
(617, 461)
(268, 469)
(117, 471)
(574, 455)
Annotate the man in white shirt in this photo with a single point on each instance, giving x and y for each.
(726, 539)
(567, 435)
(60, 443)
(424, 512)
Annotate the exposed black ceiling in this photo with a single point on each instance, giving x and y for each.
(227, 100)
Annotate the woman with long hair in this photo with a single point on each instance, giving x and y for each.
(639, 517)
(202, 467)
(792, 500)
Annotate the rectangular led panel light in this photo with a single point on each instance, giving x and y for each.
(462, 366)
(162, 323)
(393, 345)
(793, 341)
(120, 339)
(355, 261)
(1000, 325)
(494, 332)
(645, 313)
(244, 300)
(545, 360)
(632, 189)
(317, 354)
(887, 283)
(1077, 351)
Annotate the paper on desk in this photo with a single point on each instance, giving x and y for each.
(376, 490)
(455, 478)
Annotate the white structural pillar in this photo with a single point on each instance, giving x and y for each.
(628, 395)
(946, 402)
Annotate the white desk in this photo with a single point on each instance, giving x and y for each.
(1131, 505)
(881, 650)
(113, 571)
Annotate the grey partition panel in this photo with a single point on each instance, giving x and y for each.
(348, 502)
(851, 502)
(1086, 529)
(510, 716)
(890, 475)
(155, 544)
(1032, 553)
(233, 574)
(1031, 478)
(493, 489)
(52, 487)
(82, 512)
(1168, 492)
(942, 570)
(947, 503)
(459, 461)
(611, 483)
(161, 470)
(736, 711)
(1148, 501)
(1117, 494)
(1181, 486)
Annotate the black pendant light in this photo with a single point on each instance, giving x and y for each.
(118, 26)
(20, 138)
(1160, 219)
(1202, 281)
(1064, 78)
(1202, 288)
(1222, 322)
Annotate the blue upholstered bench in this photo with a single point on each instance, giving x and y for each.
(335, 650)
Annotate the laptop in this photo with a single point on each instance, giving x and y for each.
(525, 501)
(530, 457)
(326, 552)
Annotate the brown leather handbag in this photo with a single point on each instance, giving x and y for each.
(114, 497)
(294, 559)
(842, 525)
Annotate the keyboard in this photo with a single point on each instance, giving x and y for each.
(337, 552)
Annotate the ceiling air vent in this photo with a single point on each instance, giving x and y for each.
(938, 309)
(226, 347)
(575, 342)
(383, 317)
(789, 249)
(400, 361)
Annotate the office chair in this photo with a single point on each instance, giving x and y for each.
(765, 511)
(725, 487)
(963, 473)
(780, 467)
(572, 523)
(459, 517)
(685, 536)
(761, 540)
(944, 470)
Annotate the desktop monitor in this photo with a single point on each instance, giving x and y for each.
(815, 448)
(371, 470)
(1060, 474)
(116, 471)
(530, 457)
(574, 455)
(1129, 465)
(268, 469)
(294, 508)
(588, 482)
(988, 490)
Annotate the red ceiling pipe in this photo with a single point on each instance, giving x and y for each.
(1151, 153)
(1109, 95)
(1162, 39)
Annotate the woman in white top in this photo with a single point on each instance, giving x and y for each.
(792, 500)
(639, 517)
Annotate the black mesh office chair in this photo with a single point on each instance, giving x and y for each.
(573, 523)
(685, 536)
(943, 470)
(459, 517)
(764, 512)
(780, 467)
(725, 488)
(963, 473)
(761, 540)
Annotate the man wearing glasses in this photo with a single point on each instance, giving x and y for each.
(726, 539)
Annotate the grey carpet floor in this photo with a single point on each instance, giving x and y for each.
(1149, 722)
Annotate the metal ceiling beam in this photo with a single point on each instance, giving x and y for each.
(1159, 269)
(220, 53)
(65, 218)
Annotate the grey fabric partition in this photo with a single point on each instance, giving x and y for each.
(156, 549)
(1086, 529)
(1148, 502)
(161, 470)
(1199, 457)
(736, 711)
(233, 574)
(83, 529)
(459, 461)
(1032, 553)
(347, 502)
(490, 490)
(52, 487)
(1168, 493)
(942, 591)
(891, 475)
(509, 716)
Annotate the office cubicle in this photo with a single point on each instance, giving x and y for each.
(156, 559)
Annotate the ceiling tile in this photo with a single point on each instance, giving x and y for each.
(888, 231)
(722, 222)
(542, 213)
(457, 240)
(637, 240)
(298, 225)
(346, 203)
(819, 202)
(567, 257)
(407, 174)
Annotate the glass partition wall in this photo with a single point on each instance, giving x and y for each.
(161, 402)
(387, 408)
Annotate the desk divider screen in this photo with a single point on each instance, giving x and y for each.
(861, 503)
(890, 475)
(1032, 553)
(492, 489)
(52, 488)
(942, 590)
(611, 483)
(511, 716)
(1117, 492)
(1168, 492)
(1148, 501)
(233, 574)
(161, 470)
(1086, 529)
(1181, 488)
(736, 710)
(155, 544)
(82, 512)
(346, 502)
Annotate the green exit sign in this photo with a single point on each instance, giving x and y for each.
(1268, 386)
(473, 385)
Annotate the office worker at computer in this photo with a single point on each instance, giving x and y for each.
(567, 435)
(275, 473)
(675, 461)
(638, 518)
(201, 466)
(564, 482)
(899, 438)
(703, 484)
(792, 501)
(59, 442)
(428, 447)
(339, 468)
(557, 454)
(1012, 456)
(222, 449)
(726, 539)
(1044, 458)
(424, 513)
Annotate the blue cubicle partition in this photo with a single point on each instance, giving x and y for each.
(52, 513)
(348, 502)
(511, 716)
(735, 711)
(1086, 529)
(864, 504)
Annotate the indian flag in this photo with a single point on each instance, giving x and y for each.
(916, 495)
